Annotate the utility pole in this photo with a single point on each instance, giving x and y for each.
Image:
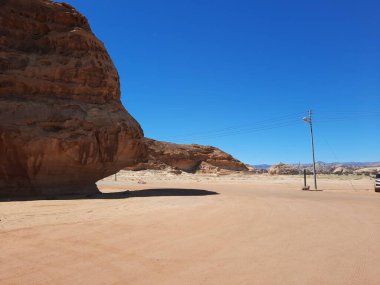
(310, 121)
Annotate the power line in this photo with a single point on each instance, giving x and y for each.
(276, 122)
(269, 124)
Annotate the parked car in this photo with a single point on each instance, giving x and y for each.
(377, 183)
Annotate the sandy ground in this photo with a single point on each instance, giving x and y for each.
(186, 229)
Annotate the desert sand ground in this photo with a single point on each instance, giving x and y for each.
(236, 229)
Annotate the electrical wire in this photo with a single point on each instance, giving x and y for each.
(276, 122)
(285, 120)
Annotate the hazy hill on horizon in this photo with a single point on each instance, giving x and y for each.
(320, 163)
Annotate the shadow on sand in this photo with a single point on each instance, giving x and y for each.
(159, 192)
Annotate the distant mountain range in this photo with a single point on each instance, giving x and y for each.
(261, 166)
(306, 165)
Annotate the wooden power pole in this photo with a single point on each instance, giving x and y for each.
(310, 121)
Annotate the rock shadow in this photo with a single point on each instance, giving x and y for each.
(170, 192)
(154, 192)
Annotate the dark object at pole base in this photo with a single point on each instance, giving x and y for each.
(304, 181)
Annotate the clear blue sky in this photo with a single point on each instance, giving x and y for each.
(240, 75)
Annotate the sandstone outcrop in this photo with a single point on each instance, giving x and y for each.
(187, 157)
(282, 169)
(367, 171)
(62, 125)
(340, 170)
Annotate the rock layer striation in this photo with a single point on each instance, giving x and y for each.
(62, 125)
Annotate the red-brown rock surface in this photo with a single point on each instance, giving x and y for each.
(62, 125)
(187, 157)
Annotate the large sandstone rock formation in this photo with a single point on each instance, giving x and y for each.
(62, 126)
(282, 169)
(187, 157)
(340, 170)
(368, 171)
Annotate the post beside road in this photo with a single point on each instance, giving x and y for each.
(310, 121)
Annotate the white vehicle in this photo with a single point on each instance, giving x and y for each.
(377, 183)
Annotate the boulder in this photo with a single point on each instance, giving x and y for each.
(62, 125)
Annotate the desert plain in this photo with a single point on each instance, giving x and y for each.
(151, 227)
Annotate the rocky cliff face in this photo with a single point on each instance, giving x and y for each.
(188, 158)
(62, 126)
